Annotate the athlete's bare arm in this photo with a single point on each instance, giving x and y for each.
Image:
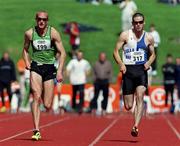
(27, 40)
(150, 42)
(121, 41)
(57, 40)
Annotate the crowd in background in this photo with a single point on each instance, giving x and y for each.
(78, 68)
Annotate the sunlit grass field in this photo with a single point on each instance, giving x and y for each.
(18, 15)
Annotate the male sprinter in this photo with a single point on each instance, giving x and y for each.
(46, 42)
(136, 44)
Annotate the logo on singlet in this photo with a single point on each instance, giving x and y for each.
(41, 41)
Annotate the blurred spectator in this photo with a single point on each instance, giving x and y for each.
(83, 1)
(97, 2)
(149, 76)
(57, 106)
(102, 73)
(21, 70)
(116, 1)
(119, 83)
(177, 103)
(157, 41)
(173, 2)
(25, 103)
(109, 2)
(128, 8)
(15, 92)
(178, 75)
(77, 70)
(7, 76)
(73, 31)
(149, 73)
(168, 70)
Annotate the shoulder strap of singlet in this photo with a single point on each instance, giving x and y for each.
(49, 31)
(33, 32)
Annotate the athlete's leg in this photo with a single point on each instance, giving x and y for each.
(48, 92)
(128, 101)
(128, 92)
(36, 85)
(138, 112)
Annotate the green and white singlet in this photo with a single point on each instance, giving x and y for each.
(43, 51)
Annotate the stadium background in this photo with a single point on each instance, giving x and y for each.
(17, 16)
(71, 129)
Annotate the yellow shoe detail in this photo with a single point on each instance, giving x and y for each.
(36, 135)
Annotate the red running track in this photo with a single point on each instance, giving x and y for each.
(88, 130)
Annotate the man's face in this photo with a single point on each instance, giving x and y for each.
(178, 61)
(138, 23)
(152, 29)
(6, 56)
(169, 59)
(79, 55)
(102, 57)
(42, 20)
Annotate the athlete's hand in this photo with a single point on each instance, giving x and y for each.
(59, 76)
(28, 66)
(123, 68)
(147, 66)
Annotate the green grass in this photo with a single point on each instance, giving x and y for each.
(18, 15)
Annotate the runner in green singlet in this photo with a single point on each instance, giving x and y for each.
(46, 43)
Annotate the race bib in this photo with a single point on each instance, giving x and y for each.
(42, 44)
(137, 56)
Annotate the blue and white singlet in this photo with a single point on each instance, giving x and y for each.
(135, 52)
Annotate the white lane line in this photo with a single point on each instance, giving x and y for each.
(27, 131)
(103, 132)
(172, 127)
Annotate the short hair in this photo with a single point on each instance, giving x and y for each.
(169, 55)
(102, 52)
(41, 11)
(78, 51)
(137, 15)
(152, 25)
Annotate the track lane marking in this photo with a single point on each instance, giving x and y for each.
(172, 127)
(103, 132)
(27, 131)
